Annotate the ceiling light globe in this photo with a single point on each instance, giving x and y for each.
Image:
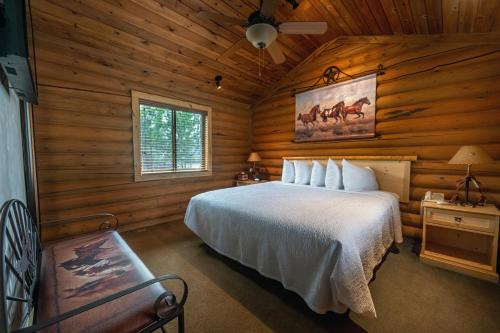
(261, 35)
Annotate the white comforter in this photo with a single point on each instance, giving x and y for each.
(321, 243)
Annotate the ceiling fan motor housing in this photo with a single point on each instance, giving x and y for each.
(261, 35)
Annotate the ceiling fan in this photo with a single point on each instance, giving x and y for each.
(262, 29)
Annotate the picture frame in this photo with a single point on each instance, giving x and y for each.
(342, 111)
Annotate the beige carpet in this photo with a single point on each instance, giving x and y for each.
(224, 296)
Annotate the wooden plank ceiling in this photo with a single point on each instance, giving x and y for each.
(169, 36)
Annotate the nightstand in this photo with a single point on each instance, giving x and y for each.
(461, 238)
(249, 182)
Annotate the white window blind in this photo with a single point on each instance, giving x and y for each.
(172, 139)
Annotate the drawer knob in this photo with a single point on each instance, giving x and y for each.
(458, 219)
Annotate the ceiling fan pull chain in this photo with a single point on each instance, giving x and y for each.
(260, 73)
(259, 61)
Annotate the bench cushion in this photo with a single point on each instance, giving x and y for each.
(84, 269)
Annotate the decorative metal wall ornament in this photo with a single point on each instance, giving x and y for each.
(331, 75)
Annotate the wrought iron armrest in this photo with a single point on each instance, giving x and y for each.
(104, 226)
(49, 322)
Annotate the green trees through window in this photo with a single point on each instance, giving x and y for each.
(172, 140)
(189, 140)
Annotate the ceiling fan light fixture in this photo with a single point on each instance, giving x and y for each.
(261, 35)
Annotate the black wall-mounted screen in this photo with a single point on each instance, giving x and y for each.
(14, 53)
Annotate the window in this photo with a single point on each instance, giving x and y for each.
(172, 139)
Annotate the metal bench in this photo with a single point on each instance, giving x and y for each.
(90, 283)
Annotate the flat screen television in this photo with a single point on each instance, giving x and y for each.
(14, 52)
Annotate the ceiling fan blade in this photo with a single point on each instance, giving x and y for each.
(303, 28)
(222, 19)
(275, 51)
(269, 7)
(233, 49)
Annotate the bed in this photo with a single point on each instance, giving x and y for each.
(321, 243)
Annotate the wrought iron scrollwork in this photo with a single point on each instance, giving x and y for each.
(332, 74)
(20, 252)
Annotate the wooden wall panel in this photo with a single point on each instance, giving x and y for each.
(434, 97)
(169, 36)
(83, 122)
(85, 158)
(90, 54)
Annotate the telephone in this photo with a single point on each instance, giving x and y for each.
(434, 197)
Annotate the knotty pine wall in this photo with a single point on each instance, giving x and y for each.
(83, 123)
(437, 94)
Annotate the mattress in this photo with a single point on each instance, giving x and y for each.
(321, 243)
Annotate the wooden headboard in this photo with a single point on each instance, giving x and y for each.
(392, 172)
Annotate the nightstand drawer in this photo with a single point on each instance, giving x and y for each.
(485, 223)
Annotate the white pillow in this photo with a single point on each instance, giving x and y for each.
(318, 174)
(288, 174)
(333, 177)
(357, 178)
(303, 170)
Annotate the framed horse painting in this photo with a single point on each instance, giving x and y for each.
(337, 112)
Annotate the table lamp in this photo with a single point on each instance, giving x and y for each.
(254, 157)
(469, 155)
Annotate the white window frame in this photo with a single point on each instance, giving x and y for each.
(137, 97)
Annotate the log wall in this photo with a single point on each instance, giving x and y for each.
(439, 92)
(83, 123)
(435, 96)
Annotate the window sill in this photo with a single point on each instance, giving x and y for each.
(171, 175)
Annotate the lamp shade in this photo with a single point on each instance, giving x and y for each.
(261, 35)
(254, 157)
(471, 155)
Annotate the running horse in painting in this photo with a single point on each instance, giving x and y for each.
(355, 108)
(309, 117)
(334, 112)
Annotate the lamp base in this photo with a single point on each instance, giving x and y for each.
(465, 184)
(468, 203)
